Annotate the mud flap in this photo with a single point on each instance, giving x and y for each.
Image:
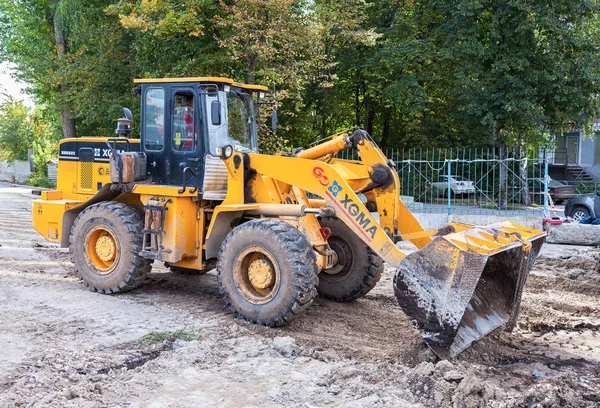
(463, 285)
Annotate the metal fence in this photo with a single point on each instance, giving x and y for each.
(471, 181)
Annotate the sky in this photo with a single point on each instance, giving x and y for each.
(10, 86)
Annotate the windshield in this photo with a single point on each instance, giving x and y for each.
(237, 123)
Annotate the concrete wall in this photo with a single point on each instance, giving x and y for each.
(523, 220)
(435, 221)
(16, 170)
(587, 149)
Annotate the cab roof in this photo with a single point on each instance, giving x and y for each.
(213, 80)
(186, 79)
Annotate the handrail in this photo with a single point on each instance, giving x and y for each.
(183, 188)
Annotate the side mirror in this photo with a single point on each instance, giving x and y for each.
(215, 112)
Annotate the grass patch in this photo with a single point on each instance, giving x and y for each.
(159, 337)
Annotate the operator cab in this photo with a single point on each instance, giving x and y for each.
(185, 120)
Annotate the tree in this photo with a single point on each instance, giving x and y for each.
(340, 44)
(16, 130)
(521, 68)
(77, 58)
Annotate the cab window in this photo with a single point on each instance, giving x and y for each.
(185, 127)
(238, 127)
(154, 119)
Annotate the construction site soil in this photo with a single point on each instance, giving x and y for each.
(171, 342)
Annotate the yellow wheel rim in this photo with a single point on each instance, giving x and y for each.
(102, 249)
(256, 275)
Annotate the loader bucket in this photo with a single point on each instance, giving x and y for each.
(463, 285)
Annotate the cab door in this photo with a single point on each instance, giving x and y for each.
(185, 141)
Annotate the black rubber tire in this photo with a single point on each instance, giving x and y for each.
(581, 209)
(295, 259)
(361, 267)
(178, 270)
(127, 223)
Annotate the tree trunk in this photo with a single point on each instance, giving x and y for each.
(68, 123)
(369, 116)
(357, 105)
(385, 135)
(251, 69)
(323, 129)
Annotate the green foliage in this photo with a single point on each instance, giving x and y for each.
(270, 142)
(45, 146)
(92, 80)
(39, 179)
(16, 130)
(158, 337)
(521, 67)
(413, 73)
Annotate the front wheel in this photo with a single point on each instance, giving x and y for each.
(358, 269)
(267, 272)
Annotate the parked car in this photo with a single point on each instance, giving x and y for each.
(458, 185)
(557, 190)
(583, 205)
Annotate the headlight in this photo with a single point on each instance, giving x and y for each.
(225, 152)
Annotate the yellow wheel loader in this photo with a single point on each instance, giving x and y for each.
(193, 192)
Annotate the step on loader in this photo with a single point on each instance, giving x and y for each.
(193, 192)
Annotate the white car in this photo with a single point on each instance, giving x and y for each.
(458, 185)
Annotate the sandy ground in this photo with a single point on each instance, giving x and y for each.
(62, 345)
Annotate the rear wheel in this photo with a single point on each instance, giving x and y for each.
(105, 242)
(580, 213)
(267, 272)
(358, 269)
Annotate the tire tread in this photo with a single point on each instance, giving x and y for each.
(372, 272)
(138, 270)
(301, 257)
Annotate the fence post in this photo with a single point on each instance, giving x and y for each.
(545, 187)
(449, 191)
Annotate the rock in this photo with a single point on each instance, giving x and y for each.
(335, 389)
(573, 234)
(453, 375)
(177, 344)
(591, 397)
(468, 386)
(71, 393)
(426, 354)
(537, 374)
(443, 366)
(575, 273)
(286, 346)
(424, 369)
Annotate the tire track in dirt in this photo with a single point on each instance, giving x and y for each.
(373, 328)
